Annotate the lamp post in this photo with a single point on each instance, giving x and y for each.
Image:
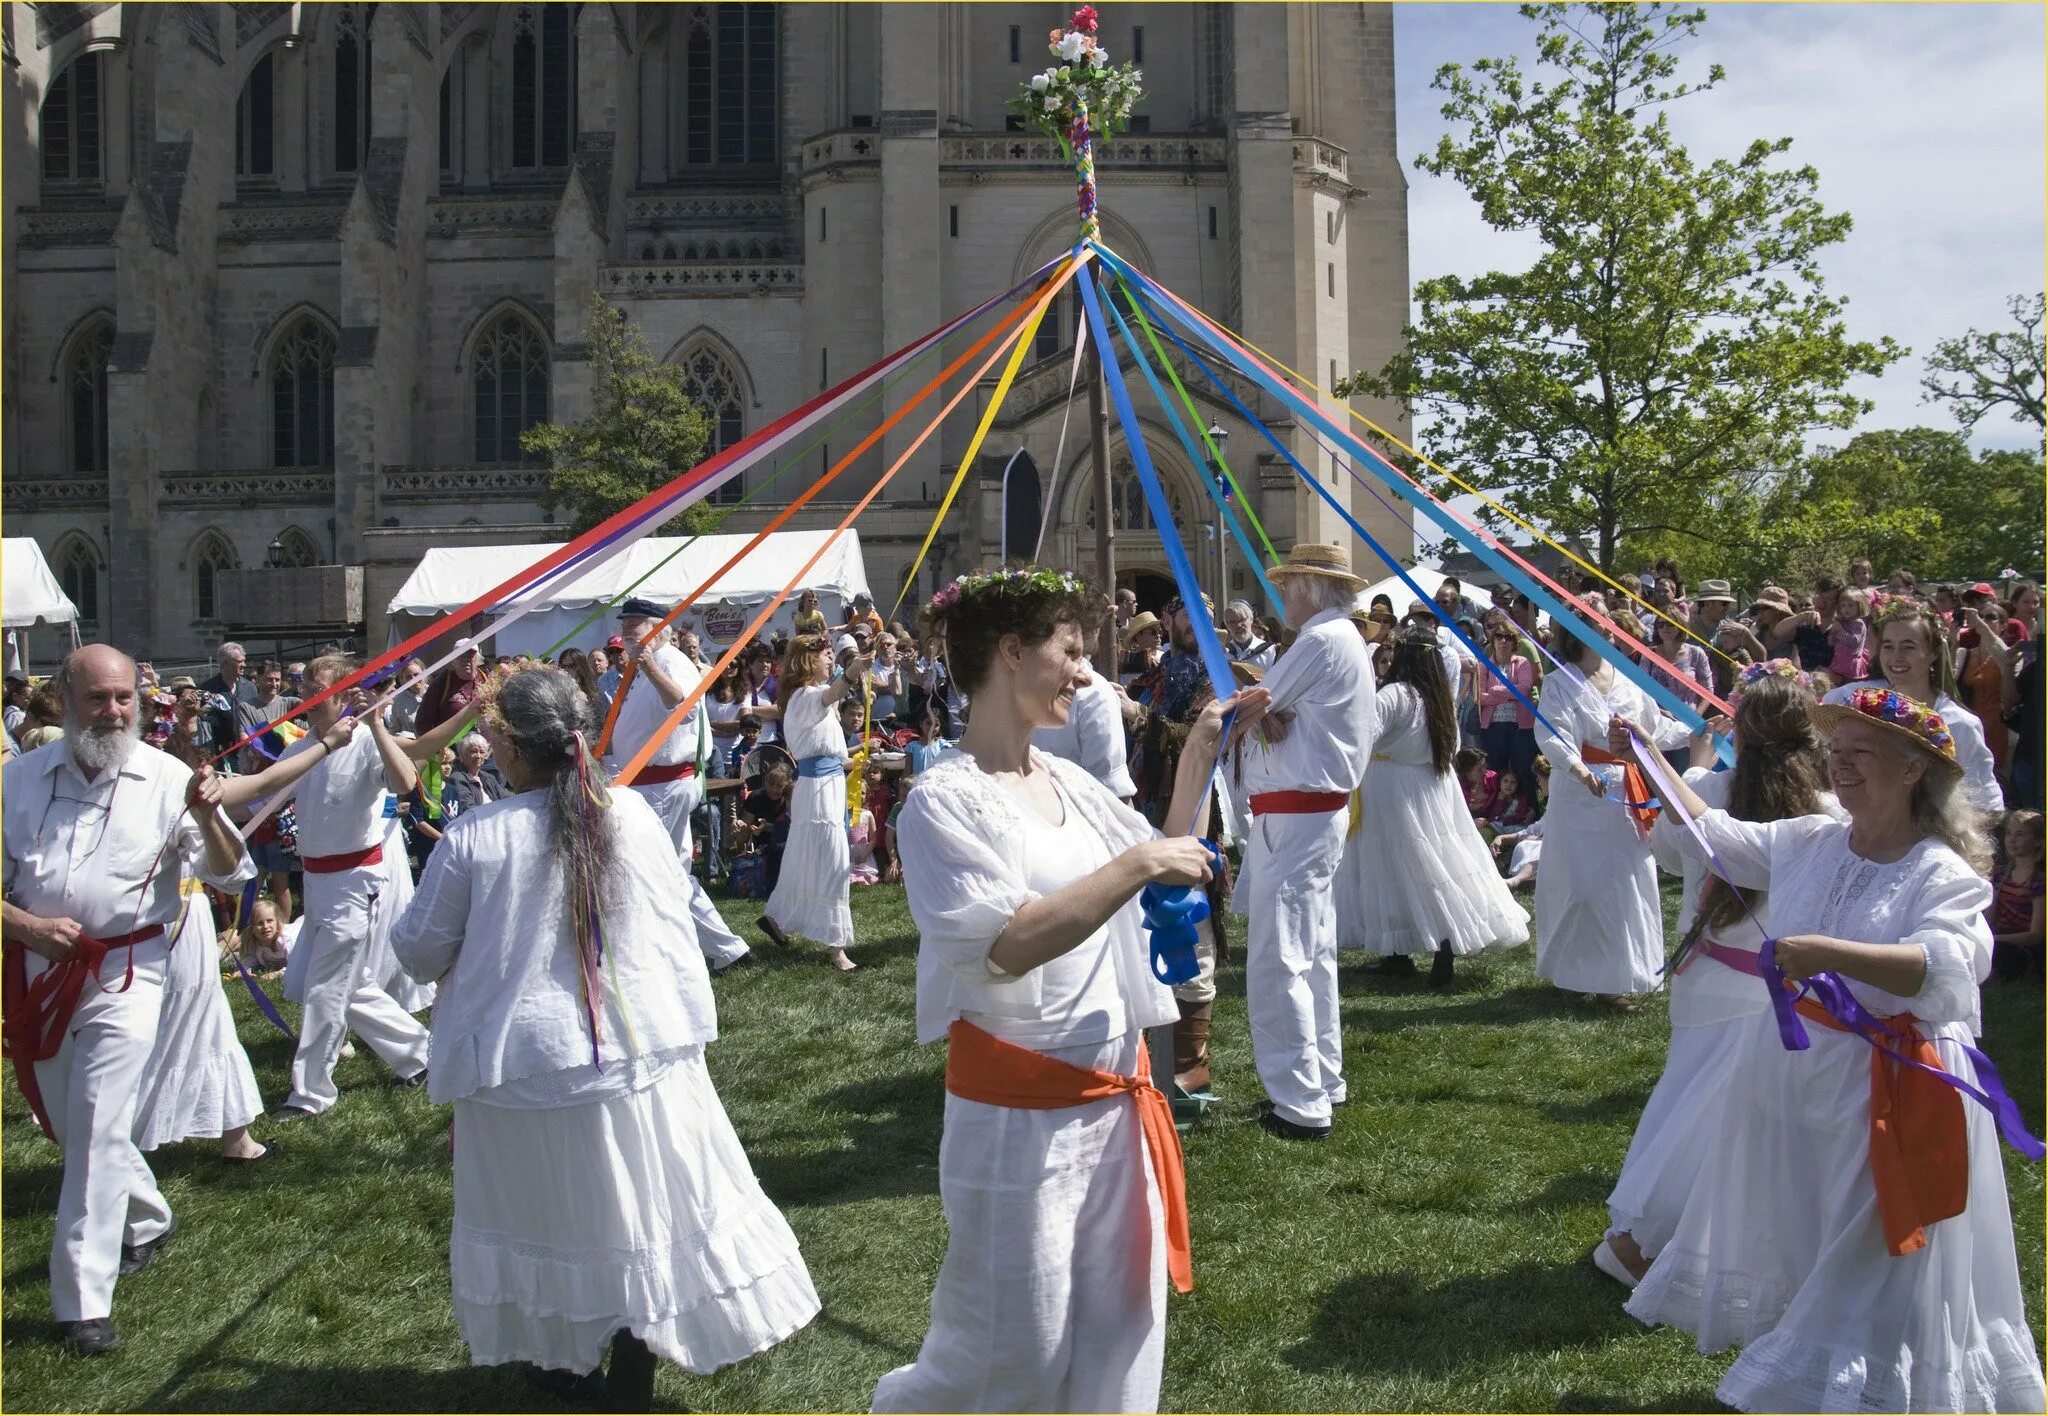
(273, 557)
(1219, 437)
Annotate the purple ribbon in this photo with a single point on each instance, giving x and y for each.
(263, 1003)
(1832, 994)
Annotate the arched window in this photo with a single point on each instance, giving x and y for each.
(302, 397)
(715, 385)
(1133, 512)
(726, 85)
(72, 123)
(211, 554)
(351, 93)
(78, 570)
(255, 120)
(296, 548)
(542, 117)
(511, 383)
(85, 398)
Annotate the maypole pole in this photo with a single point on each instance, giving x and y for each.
(1077, 100)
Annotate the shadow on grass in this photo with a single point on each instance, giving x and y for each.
(1388, 1324)
(279, 1386)
(1529, 1004)
(882, 1140)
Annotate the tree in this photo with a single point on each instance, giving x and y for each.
(642, 431)
(1980, 373)
(1672, 335)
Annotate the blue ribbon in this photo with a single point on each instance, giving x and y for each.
(1171, 914)
(243, 907)
(1831, 992)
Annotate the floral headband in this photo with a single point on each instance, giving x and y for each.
(968, 587)
(1891, 707)
(1753, 674)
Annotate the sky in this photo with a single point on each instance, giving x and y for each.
(1925, 122)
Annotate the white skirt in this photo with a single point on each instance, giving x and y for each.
(1780, 1250)
(811, 892)
(639, 1212)
(198, 1082)
(1599, 921)
(1417, 873)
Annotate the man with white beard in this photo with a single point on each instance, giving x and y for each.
(95, 827)
(657, 676)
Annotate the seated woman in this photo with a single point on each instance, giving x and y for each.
(1023, 873)
(600, 1193)
(1860, 1269)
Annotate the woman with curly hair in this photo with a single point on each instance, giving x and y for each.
(1059, 1169)
(810, 897)
(1913, 659)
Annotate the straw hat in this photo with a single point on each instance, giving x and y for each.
(1710, 592)
(1312, 558)
(1139, 625)
(1246, 674)
(1906, 719)
(1772, 597)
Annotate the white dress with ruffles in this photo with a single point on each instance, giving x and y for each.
(198, 1082)
(810, 895)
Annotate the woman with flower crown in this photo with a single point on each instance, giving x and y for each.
(1912, 658)
(811, 895)
(1780, 772)
(1059, 1169)
(601, 1196)
(1848, 1226)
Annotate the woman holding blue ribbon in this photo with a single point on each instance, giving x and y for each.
(1059, 1168)
(1849, 1228)
(601, 1196)
(810, 896)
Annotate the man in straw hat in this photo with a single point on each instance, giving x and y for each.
(1300, 773)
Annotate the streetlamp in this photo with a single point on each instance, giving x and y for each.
(274, 555)
(1219, 437)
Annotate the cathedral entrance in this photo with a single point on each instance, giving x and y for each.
(1152, 588)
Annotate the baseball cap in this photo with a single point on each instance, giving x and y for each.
(617, 641)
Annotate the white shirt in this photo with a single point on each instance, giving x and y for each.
(966, 872)
(643, 712)
(84, 849)
(490, 922)
(340, 803)
(1973, 755)
(1326, 682)
(810, 725)
(1093, 737)
(1254, 651)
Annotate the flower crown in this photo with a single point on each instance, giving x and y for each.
(1888, 705)
(1753, 674)
(977, 583)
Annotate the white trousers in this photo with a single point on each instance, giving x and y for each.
(1052, 1296)
(1291, 963)
(673, 802)
(340, 995)
(108, 1197)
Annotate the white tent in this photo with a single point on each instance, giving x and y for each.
(662, 569)
(1427, 576)
(28, 594)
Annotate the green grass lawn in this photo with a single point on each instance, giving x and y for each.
(1432, 1257)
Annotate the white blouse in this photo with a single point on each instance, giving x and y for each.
(965, 843)
(1093, 737)
(490, 923)
(1818, 885)
(810, 725)
(1404, 727)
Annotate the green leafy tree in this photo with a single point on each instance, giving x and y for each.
(1671, 336)
(1978, 374)
(642, 431)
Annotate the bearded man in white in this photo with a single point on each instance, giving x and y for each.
(1300, 773)
(96, 825)
(658, 676)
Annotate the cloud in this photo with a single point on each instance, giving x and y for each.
(1925, 123)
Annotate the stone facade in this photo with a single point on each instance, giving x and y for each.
(283, 281)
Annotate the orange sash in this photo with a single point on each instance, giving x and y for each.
(1635, 786)
(982, 1067)
(1919, 1144)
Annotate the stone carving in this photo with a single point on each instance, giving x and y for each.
(1171, 150)
(23, 492)
(732, 278)
(445, 484)
(250, 222)
(47, 228)
(460, 216)
(263, 486)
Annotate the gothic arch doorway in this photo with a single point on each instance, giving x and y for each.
(1153, 588)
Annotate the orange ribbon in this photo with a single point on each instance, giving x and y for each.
(1635, 787)
(1919, 1142)
(982, 1067)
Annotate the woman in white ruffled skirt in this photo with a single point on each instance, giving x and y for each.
(810, 896)
(1420, 879)
(1848, 1292)
(601, 1196)
(198, 1082)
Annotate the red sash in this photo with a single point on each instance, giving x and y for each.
(34, 1016)
(335, 864)
(673, 772)
(982, 1067)
(1635, 786)
(1293, 803)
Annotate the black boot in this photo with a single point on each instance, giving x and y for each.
(629, 1382)
(1440, 971)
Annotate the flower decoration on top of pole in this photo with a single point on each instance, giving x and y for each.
(1077, 100)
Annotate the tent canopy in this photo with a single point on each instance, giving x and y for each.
(30, 592)
(1427, 576)
(662, 569)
